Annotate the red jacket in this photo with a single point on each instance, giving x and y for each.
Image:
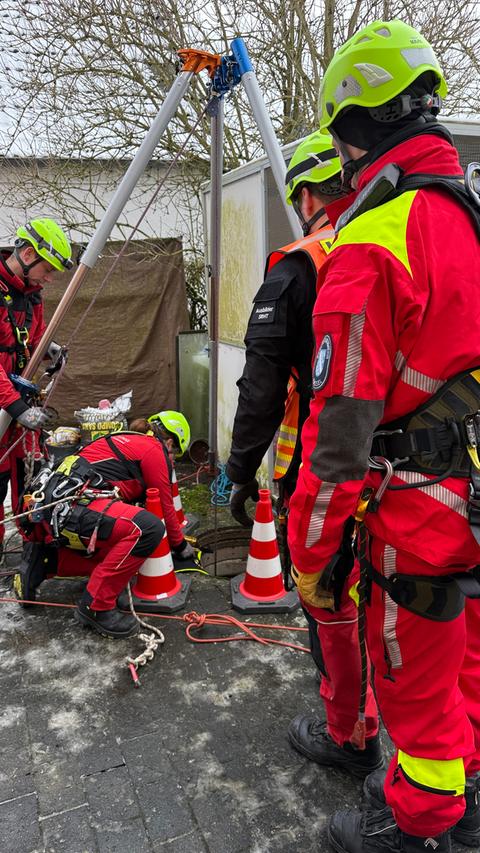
(398, 313)
(149, 464)
(25, 300)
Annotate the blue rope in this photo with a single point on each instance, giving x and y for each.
(220, 488)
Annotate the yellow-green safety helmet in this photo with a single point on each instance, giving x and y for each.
(314, 161)
(49, 242)
(176, 423)
(373, 67)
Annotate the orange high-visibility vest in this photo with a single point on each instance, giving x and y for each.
(315, 246)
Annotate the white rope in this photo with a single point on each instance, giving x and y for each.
(29, 457)
(152, 641)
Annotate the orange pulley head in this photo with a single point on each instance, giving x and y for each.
(198, 60)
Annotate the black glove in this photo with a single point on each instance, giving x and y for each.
(37, 418)
(184, 551)
(238, 496)
(58, 356)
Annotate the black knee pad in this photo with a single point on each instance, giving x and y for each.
(152, 533)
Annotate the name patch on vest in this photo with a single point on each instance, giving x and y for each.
(264, 312)
(321, 371)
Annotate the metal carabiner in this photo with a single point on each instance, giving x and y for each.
(23, 336)
(380, 463)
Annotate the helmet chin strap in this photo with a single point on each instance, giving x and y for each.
(307, 224)
(19, 244)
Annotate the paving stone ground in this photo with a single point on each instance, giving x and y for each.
(195, 761)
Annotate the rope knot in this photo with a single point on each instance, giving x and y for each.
(194, 618)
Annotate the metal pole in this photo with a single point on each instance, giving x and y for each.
(270, 141)
(216, 172)
(104, 228)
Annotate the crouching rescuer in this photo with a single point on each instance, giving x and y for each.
(96, 517)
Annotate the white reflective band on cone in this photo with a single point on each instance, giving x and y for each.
(157, 566)
(263, 568)
(264, 531)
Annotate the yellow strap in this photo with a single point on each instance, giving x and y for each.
(67, 464)
(73, 540)
(472, 452)
(448, 775)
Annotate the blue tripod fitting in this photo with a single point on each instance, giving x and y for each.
(231, 69)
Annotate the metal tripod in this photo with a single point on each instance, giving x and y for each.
(225, 72)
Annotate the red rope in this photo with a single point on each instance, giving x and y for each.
(199, 621)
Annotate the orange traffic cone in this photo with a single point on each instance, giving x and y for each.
(187, 522)
(157, 588)
(261, 588)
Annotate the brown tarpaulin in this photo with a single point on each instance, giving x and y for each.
(127, 341)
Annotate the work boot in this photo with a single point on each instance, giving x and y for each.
(108, 623)
(376, 832)
(37, 563)
(309, 736)
(466, 831)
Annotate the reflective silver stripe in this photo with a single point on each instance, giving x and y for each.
(437, 492)
(391, 611)
(417, 380)
(354, 353)
(400, 361)
(319, 512)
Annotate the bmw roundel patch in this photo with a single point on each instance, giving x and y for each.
(323, 361)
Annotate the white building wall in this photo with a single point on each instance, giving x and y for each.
(76, 193)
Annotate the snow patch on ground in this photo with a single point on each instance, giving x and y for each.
(11, 715)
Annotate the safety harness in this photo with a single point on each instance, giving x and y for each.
(21, 335)
(59, 496)
(440, 438)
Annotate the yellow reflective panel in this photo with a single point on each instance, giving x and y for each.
(384, 226)
(440, 776)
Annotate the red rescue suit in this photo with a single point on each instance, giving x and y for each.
(398, 314)
(21, 306)
(127, 534)
(335, 636)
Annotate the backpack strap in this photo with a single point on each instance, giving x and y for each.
(133, 468)
(453, 185)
